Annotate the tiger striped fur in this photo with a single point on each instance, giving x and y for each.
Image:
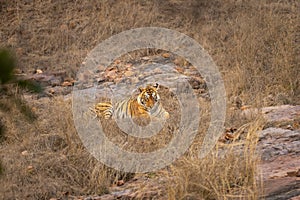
(146, 104)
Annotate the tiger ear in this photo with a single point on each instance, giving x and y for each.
(156, 85)
(141, 89)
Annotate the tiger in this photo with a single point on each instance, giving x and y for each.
(143, 106)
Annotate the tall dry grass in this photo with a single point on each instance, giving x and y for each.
(227, 172)
(46, 159)
(254, 43)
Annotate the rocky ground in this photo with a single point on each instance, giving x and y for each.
(278, 143)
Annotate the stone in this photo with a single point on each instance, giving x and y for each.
(24, 153)
(128, 73)
(38, 71)
(280, 153)
(277, 141)
(281, 113)
(166, 55)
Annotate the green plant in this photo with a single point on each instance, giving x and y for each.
(11, 87)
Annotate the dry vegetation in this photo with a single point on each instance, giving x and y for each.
(254, 43)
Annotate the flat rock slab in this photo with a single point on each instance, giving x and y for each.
(279, 146)
(275, 142)
(282, 188)
(281, 113)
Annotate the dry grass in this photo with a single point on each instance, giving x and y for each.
(254, 43)
(228, 172)
(46, 158)
(257, 38)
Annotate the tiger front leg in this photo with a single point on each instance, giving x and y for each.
(104, 110)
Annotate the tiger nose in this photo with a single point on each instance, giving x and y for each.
(151, 103)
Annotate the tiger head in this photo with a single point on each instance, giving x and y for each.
(148, 96)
